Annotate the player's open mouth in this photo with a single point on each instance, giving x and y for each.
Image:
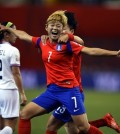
(54, 33)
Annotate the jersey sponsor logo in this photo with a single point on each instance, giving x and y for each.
(59, 47)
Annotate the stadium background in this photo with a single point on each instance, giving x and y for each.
(98, 25)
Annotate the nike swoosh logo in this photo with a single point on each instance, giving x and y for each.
(57, 112)
(75, 110)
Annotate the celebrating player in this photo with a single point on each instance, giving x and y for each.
(10, 81)
(62, 86)
(61, 115)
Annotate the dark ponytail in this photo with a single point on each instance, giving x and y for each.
(7, 24)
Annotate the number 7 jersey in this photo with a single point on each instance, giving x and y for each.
(58, 62)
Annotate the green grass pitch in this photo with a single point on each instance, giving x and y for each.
(97, 105)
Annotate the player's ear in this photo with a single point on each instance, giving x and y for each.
(72, 31)
(6, 34)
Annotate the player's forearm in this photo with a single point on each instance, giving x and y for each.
(99, 52)
(18, 81)
(21, 34)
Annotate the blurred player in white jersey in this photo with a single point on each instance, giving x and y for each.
(10, 81)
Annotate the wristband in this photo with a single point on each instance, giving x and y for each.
(71, 37)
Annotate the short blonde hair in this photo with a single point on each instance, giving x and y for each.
(58, 16)
(59, 12)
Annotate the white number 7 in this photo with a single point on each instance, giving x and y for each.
(50, 53)
(75, 101)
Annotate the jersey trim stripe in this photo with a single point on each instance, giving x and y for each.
(69, 48)
(38, 42)
(15, 65)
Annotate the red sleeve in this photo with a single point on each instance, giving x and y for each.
(36, 41)
(76, 48)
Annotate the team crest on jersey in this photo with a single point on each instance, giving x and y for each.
(59, 47)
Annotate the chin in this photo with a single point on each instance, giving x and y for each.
(55, 40)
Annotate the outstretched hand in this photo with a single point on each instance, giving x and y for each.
(118, 54)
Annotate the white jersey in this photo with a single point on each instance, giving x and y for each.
(9, 56)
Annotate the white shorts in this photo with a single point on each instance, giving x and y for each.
(9, 103)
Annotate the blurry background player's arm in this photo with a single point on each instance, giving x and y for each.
(18, 80)
(19, 33)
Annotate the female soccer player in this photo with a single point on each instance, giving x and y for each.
(61, 116)
(10, 81)
(62, 86)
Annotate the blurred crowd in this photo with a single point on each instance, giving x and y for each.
(44, 2)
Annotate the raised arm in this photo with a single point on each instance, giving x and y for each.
(19, 33)
(100, 52)
(90, 51)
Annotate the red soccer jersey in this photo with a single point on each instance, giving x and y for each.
(77, 69)
(58, 62)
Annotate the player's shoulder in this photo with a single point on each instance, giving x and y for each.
(9, 47)
(76, 44)
(14, 49)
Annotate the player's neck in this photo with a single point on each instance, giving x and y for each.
(53, 41)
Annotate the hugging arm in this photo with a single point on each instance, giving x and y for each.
(65, 37)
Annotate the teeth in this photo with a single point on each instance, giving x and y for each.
(54, 33)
